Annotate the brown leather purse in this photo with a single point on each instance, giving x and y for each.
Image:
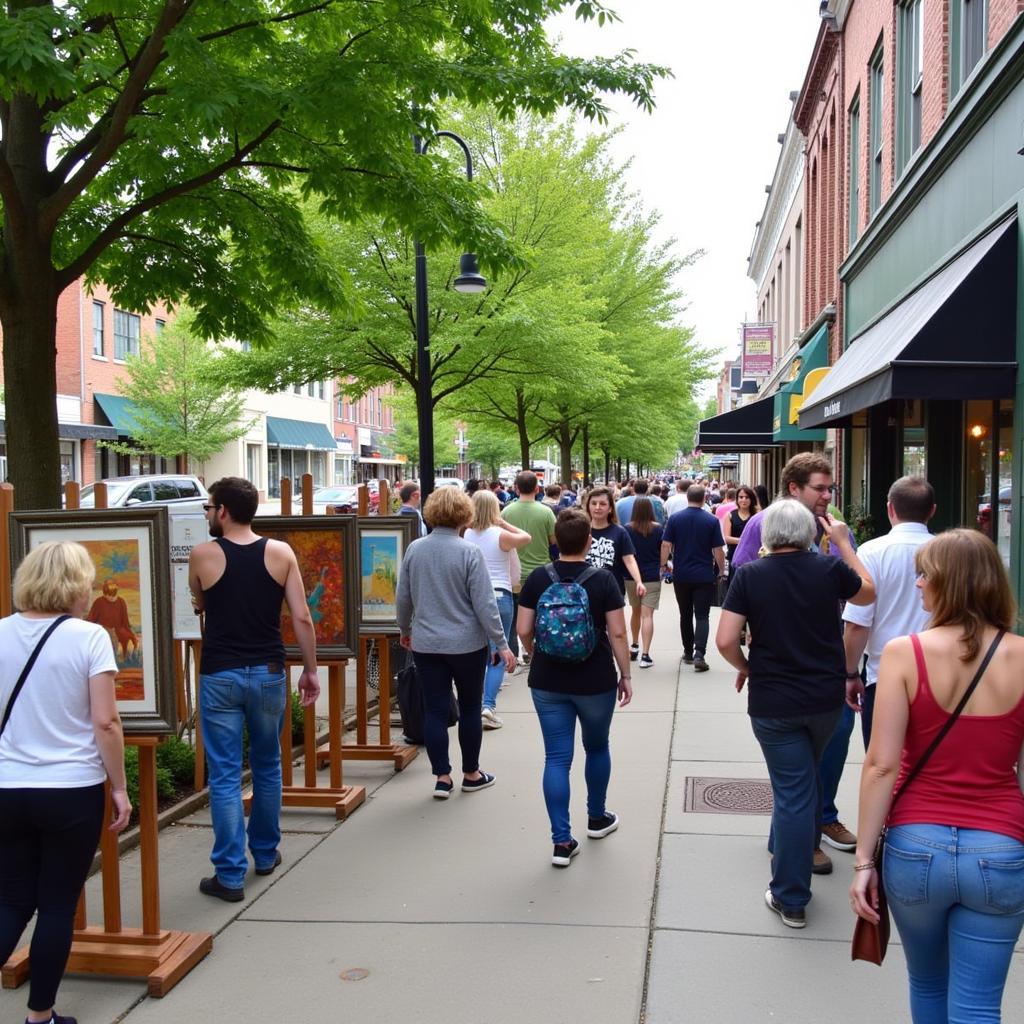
(870, 940)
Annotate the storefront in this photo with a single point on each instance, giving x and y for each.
(119, 412)
(744, 432)
(295, 447)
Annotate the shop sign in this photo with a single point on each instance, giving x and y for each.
(758, 346)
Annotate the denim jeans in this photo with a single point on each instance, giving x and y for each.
(957, 897)
(694, 600)
(557, 713)
(495, 674)
(832, 763)
(436, 673)
(792, 748)
(254, 697)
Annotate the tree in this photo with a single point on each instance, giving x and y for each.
(406, 439)
(180, 403)
(162, 146)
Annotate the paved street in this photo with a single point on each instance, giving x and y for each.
(456, 914)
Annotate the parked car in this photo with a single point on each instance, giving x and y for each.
(341, 500)
(178, 491)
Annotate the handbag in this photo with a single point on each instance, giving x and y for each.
(871, 940)
(410, 704)
(28, 668)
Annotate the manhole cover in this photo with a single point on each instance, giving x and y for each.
(727, 796)
(354, 974)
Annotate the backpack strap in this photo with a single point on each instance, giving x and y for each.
(590, 571)
(550, 570)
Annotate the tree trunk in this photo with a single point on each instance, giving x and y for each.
(586, 454)
(524, 438)
(607, 464)
(618, 469)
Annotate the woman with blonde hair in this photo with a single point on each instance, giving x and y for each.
(499, 542)
(943, 772)
(60, 739)
(447, 615)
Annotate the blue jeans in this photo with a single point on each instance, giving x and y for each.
(957, 897)
(495, 674)
(833, 761)
(255, 697)
(792, 748)
(558, 713)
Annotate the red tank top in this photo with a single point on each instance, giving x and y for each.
(970, 781)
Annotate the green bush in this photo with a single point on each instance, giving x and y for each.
(298, 718)
(164, 782)
(178, 758)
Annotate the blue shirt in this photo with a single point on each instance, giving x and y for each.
(694, 535)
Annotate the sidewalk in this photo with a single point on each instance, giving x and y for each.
(456, 916)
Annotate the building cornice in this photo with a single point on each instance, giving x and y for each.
(825, 49)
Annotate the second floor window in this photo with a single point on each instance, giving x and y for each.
(854, 170)
(910, 82)
(968, 39)
(98, 343)
(877, 79)
(127, 330)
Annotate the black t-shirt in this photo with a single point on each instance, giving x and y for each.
(737, 524)
(648, 552)
(595, 675)
(607, 549)
(791, 601)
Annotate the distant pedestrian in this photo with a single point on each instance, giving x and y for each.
(240, 581)
(566, 691)
(725, 506)
(678, 500)
(763, 498)
(410, 495)
(736, 521)
(447, 615)
(552, 497)
(646, 533)
(610, 546)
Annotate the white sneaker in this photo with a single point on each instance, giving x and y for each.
(489, 719)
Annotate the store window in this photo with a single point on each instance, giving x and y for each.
(319, 468)
(274, 472)
(342, 469)
(988, 480)
(252, 463)
(67, 461)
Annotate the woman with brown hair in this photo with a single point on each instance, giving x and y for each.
(735, 522)
(954, 849)
(645, 533)
(611, 547)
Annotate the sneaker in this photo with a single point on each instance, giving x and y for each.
(838, 836)
(822, 863)
(483, 782)
(489, 719)
(646, 661)
(687, 657)
(214, 887)
(634, 651)
(790, 918)
(525, 660)
(598, 828)
(564, 852)
(699, 664)
(443, 790)
(269, 870)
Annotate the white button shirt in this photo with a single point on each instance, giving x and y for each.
(897, 609)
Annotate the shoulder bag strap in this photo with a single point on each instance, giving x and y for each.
(28, 668)
(923, 760)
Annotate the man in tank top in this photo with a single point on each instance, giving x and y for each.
(239, 581)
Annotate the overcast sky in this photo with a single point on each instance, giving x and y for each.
(703, 158)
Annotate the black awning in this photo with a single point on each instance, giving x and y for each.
(954, 337)
(746, 429)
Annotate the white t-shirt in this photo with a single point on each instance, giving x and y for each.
(499, 563)
(897, 610)
(675, 504)
(49, 741)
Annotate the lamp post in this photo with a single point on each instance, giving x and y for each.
(470, 281)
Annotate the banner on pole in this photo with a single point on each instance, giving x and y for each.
(758, 345)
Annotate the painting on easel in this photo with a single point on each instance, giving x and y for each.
(382, 544)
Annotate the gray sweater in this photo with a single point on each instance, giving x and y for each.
(445, 596)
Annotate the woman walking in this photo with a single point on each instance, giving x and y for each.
(566, 691)
(954, 850)
(499, 542)
(61, 738)
(736, 521)
(645, 533)
(797, 673)
(447, 615)
(610, 547)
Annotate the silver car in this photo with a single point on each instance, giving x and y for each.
(176, 490)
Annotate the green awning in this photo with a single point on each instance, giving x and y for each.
(119, 411)
(282, 433)
(813, 359)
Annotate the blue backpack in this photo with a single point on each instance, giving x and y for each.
(564, 627)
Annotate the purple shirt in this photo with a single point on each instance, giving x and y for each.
(750, 541)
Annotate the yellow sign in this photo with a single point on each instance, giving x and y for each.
(811, 381)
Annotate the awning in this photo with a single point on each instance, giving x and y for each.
(746, 429)
(77, 431)
(808, 367)
(119, 411)
(717, 461)
(379, 461)
(954, 338)
(283, 433)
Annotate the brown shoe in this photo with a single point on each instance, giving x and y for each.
(838, 836)
(822, 863)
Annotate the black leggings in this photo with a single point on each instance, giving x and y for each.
(436, 673)
(47, 841)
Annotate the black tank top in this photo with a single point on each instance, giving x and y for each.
(243, 612)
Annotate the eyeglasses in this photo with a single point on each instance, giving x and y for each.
(206, 508)
(822, 488)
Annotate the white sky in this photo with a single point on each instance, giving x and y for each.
(703, 158)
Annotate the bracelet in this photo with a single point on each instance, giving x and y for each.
(867, 866)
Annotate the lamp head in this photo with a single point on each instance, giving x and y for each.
(470, 281)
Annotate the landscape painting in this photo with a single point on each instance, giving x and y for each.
(382, 544)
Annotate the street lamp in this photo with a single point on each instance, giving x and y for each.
(470, 281)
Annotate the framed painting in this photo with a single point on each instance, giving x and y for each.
(131, 599)
(382, 544)
(325, 547)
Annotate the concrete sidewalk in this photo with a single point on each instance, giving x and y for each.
(451, 913)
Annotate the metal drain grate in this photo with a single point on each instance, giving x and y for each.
(727, 796)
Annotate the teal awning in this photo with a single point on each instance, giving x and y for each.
(282, 433)
(790, 396)
(120, 413)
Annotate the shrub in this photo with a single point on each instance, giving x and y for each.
(298, 718)
(178, 758)
(164, 782)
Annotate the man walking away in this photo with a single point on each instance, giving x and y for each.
(678, 500)
(897, 610)
(410, 495)
(693, 539)
(239, 579)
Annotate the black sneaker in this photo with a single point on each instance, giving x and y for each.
(598, 828)
(564, 852)
(687, 657)
(443, 790)
(790, 918)
(269, 870)
(646, 661)
(483, 782)
(214, 887)
(634, 652)
(699, 664)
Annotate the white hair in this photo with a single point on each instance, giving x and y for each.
(787, 524)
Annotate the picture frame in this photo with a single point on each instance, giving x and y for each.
(131, 598)
(187, 529)
(325, 547)
(382, 544)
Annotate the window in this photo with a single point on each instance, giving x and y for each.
(141, 493)
(165, 490)
(160, 325)
(910, 66)
(297, 388)
(875, 130)
(67, 461)
(311, 389)
(854, 170)
(968, 39)
(126, 334)
(187, 488)
(380, 412)
(252, 463)
(97, 329)
(320, 389)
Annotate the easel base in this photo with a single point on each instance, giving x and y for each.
(162, 959)
(344, 800)
(402, 755)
